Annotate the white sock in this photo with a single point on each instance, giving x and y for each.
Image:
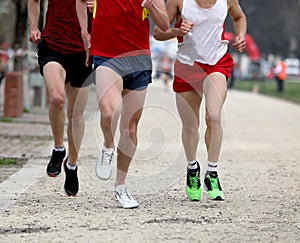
(211, 166)
(71, 167)
(62, 148)
(192, 165)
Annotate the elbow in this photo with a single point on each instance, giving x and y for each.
(164, 27)
(156, 34)
(157, 37)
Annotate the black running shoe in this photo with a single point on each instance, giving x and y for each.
(54, 165)
(71, 182)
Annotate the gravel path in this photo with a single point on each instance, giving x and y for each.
(259, 170)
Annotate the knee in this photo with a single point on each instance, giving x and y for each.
(107, 116)
(75, 117)
(190, 129)
(213, 118)
(57, 101)
(129, 130)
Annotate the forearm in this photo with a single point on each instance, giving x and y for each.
(82, 15)
(170, 33)
(159, 16)
(33, 13)
(240, 26)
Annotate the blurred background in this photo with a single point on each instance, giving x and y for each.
(273, 35)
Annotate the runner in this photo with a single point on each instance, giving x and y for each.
(121, 57)
(62, 60)
(202, 67)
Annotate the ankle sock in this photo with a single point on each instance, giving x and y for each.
(71, 167)
(62, 148)
(211, 167)
(192, 165)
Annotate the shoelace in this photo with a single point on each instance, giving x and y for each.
(194, 181)
(214, 183)
(124, 194)
(106, 158)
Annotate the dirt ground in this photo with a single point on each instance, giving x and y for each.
(259, 171)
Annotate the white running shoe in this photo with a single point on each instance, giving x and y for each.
(104, 164)
(124, 197)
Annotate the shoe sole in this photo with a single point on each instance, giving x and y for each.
(71, 195)
(196, 197)
(218, 198)
(53, 175)
(103, 178)
(120, 205)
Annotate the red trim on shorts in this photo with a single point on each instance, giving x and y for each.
(189, 78)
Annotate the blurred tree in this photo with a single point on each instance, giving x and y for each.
(273, 25)
(13, 25)
(13, 22)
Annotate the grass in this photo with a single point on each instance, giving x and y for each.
(10, 161)
(269, 87)
(6, 119)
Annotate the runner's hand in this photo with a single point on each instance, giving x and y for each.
(147, 3)
(35, 36)
(90, 5)
(185, 27)
(239, 43)
(86, 37)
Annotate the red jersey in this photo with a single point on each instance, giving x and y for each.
(62, 31)
(120, 28)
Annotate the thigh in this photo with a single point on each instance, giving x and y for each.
(77, 99)
(54, 75)
(215, 91)
(109, 86)
(188, 106)
(133, 103)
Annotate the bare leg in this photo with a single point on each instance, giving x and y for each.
(215, 90)
(133, 102)
(77, 99)
(109, 93)
(188, 105)
(55, 82)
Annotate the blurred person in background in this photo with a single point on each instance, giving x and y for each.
(3, 60)
(165, 68)
(280, 75)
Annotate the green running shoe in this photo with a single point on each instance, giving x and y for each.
(213, 187)
(193, 185)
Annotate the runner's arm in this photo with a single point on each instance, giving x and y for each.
(33, 17)
(81, 10)
(158, 12)
(239, 24)
(174, 11)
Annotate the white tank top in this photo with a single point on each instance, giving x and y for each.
(204, 42)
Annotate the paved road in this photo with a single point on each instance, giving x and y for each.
(259, 170)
